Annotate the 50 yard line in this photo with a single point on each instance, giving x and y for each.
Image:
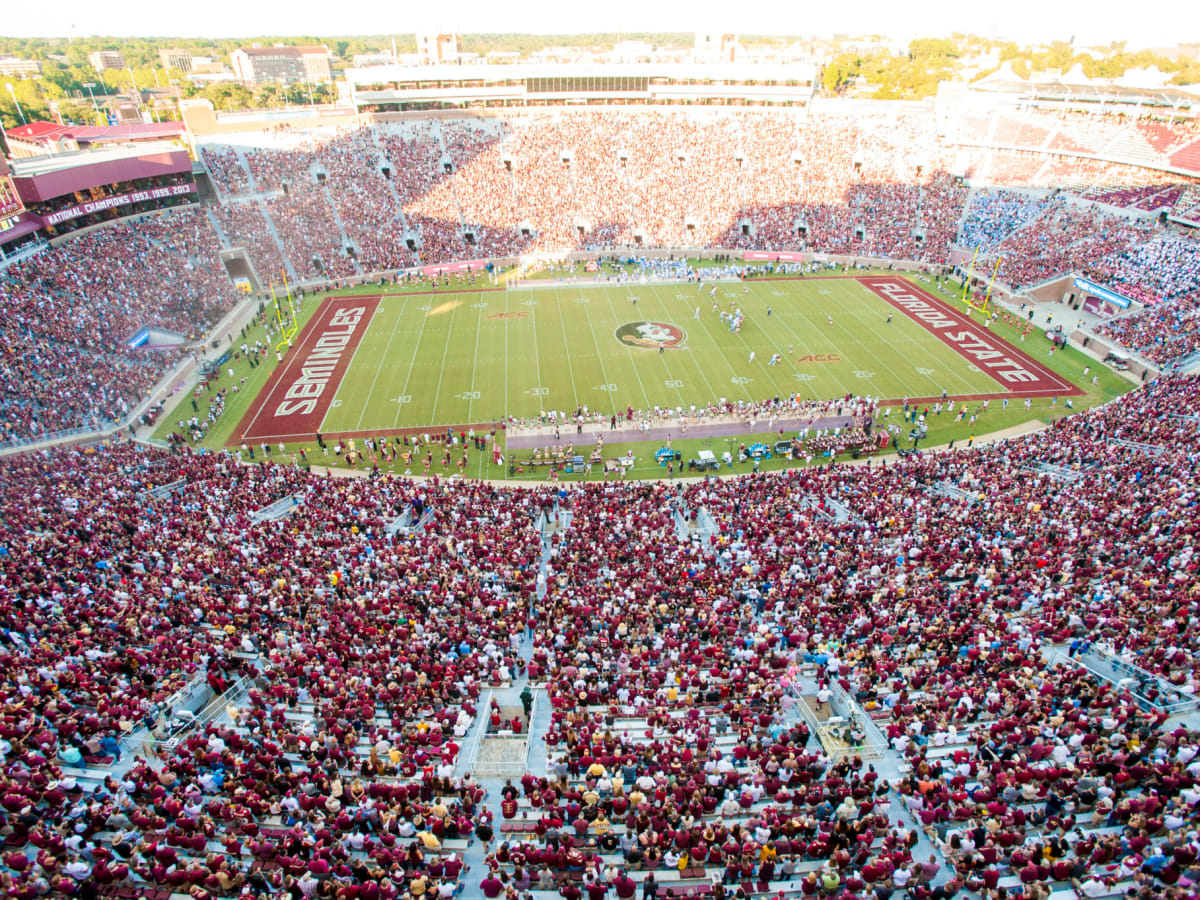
(629, 350)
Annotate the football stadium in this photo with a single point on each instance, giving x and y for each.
(554, 473)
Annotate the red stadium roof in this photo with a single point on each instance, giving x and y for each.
(96, 134)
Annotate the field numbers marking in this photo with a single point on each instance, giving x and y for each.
(673, 383)
(582, 300)
(804, 376)
(863, 373)
(610, 387)
(335, 404)
(538, 392)
(740, 379)
(426, 308)
(479, 306)
(402, 399)
(681, 296)
(468, 395)
(924, 371)
(778, 293)
(529, 303)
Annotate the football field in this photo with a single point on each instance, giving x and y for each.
(370, 364)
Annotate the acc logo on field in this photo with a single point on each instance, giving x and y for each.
(819, 357)
(651, 334)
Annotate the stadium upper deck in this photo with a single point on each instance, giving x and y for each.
(399, 88)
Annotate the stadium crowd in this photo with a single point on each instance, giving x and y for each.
(332, 203)
(350, 657)
(68, 312)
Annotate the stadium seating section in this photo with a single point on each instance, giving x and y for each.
(354, 660)
(335, 203)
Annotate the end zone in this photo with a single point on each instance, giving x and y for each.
(296, 397)
(1014, 370)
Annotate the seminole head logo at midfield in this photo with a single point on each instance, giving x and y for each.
(651, 334)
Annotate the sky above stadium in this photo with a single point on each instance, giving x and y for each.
(1100, 22)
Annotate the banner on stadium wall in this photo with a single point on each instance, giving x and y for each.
(455, 267)
(94, 206)
(1106, 294)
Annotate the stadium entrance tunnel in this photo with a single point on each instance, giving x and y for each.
(237, 265)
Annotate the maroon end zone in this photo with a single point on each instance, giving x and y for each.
(296, 398)
(1015, 371)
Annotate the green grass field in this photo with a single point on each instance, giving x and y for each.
(479, 357)
(458, 357)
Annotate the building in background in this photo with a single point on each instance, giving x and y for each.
(103, 60)
(433, 49)
(13, 67)
(262, 65)
(176, 58)
(715, 47)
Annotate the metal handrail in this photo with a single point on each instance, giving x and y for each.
(533, 710)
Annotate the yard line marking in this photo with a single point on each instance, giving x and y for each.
(600, 356)
(629, 350)
(412, 362)
(475, 355)
(900, 381)
(566, 343)
(778, 347)
(668, 315)
(717, 346)
(703, 375)
(854, 341)
(537, 364)
(800, 339)
(506, 417)
(437, 393)
(378, 368)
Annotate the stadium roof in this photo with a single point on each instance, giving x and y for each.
(43, 165)
(735, 72)
(1080, 90)
(96, 134)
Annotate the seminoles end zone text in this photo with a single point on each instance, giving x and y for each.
(320, 365)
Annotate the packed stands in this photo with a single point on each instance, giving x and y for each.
(67, 313)
(687, 644)
(332, 203)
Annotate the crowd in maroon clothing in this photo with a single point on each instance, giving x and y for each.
(667, 664)
(67, 312)
(1161, 333)
(866, 186)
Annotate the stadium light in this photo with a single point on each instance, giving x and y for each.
(20, 112)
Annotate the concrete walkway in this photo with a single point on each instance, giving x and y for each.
(628, 431)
